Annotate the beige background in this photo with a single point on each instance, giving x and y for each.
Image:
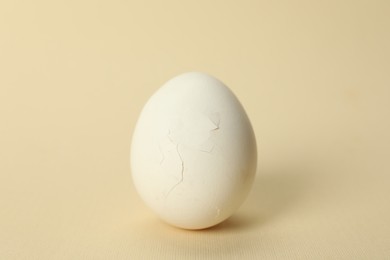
(314, 77)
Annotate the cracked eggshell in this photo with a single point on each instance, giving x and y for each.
(193, 152)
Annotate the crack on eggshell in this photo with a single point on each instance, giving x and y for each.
(162, 154)
(216, 128)
(215, 119)
(208, 151)
(182, 166)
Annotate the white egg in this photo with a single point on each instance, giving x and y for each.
(193, 153)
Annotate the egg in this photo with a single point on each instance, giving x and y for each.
(193, 152)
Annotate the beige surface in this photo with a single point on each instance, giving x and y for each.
(313, 76)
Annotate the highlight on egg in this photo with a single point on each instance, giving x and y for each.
(193, 152)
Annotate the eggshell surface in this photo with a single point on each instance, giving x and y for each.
(193, 152)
